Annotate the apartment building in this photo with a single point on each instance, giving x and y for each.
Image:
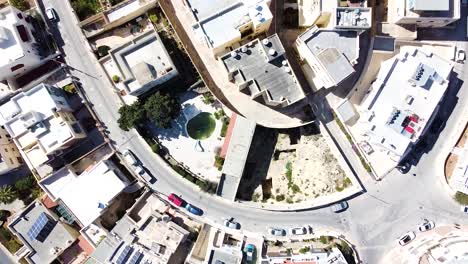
(10, 157)
(143, 235)
(19, 51)
(329, 56)
(223, 24)
(86, 195)
(41, 123)
(261, 69)
(424, 13)
(141, 64)
(399, 106)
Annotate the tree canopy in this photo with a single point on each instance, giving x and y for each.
(131, 116)
(162, 109)
(159, 108)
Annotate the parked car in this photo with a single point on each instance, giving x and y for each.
(464, 209)
(249, 250)
(176, 200)
(139, 169)
(129, 157)
(51, 14)
(461, 55)
(295, 231)
(427, 225)
(193, 209)
(276, 231)
(231, 223)
(339, 207)
(406, 238)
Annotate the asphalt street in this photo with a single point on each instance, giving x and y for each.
(374, 220)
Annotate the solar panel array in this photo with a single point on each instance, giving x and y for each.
(41, 227)
(136, 258)
(124, 255)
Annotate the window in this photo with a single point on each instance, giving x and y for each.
(13, 149)
(23, 33)
(17, 67)
(20, 160)
(6, 150)
(19, 15)
(76, 128)
(11, 161)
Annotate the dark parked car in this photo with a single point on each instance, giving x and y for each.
(194, 210)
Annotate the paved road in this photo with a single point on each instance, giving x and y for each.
(374, 220)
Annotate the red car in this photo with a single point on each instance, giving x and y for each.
(175, 199)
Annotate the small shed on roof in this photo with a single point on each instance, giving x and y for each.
(347, 112)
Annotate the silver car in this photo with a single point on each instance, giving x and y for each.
(339, 207)
(231, 223)
(276, 231)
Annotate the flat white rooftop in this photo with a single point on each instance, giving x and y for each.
(403, 98)
(460, 172)
(223, 25)
(10, 44)
(142, 61)
(429, 5)
(87, 194)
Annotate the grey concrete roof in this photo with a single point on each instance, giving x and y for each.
(431, 5)
(269, 73)
(58, 237)
(112, 243)
(223, 257)
(335, 49)
(142, 61)
(236, 156)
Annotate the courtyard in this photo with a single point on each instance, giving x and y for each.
(194, 137)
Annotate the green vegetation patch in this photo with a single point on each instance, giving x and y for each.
(461, 198)
(86, 8)
(201, 126)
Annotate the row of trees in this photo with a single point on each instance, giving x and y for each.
(159, 108)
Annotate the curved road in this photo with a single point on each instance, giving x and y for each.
(373, 221)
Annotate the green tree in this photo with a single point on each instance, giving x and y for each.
(7, 194)
(162, 109)
(22, 5)
(25, 184)
(131, 116)
(461, 198)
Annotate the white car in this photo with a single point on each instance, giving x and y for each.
(51, 14)
(296, 231)
(461, 55)
(464, 209)
(129, 157)
(406, 238)
(231, 224)
(427, 225)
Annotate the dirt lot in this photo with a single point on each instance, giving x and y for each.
(299, 166)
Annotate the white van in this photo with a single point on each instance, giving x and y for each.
(129, 157)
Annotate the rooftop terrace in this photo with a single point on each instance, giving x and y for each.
(87, 194)
(143, 63)
(261, 69)
(353, 17)
(51, 240)
(336, 50)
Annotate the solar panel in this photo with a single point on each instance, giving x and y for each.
(124, 255)
(136, 258)
(40, 228)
